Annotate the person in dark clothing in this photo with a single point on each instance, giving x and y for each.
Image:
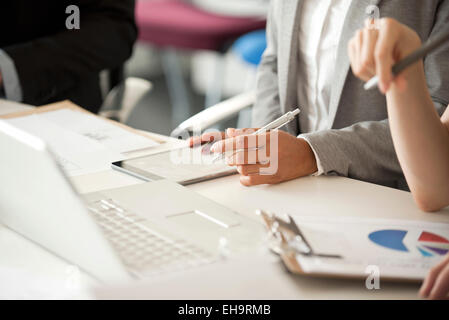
(44, 60)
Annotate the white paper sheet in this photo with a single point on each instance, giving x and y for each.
(81, 143)
(107, 134)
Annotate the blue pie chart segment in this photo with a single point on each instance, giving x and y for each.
(391, 239)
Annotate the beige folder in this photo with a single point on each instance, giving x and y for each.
(71, 106)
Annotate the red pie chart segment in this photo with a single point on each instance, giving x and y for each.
(433, 243)
(431, 237)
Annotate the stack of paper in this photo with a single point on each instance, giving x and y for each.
(82, 143)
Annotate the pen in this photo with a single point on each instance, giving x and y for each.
(428, 47)
(274, 125)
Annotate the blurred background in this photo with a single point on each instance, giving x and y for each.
(191, 54)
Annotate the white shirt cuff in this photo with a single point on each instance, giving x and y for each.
(320, 171)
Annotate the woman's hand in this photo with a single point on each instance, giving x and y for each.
(375, 51)
(436, 285)
(267, 158)
(206, 138)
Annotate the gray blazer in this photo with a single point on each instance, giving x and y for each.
(358, 142)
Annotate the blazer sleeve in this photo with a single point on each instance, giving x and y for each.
(53, 64)
(267, 106)
(365, 150)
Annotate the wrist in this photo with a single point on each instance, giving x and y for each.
(415, 73)
(411, 81)
(410, 94)
(307, 157)
(409, 43)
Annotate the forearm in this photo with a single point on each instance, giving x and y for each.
(363, 151)
(421, 141)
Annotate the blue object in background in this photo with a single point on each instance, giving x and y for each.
(251, 46)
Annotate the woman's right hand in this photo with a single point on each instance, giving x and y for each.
(375, 51)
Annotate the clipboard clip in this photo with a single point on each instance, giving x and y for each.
(286, 238)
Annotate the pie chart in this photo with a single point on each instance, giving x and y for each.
(428, 244)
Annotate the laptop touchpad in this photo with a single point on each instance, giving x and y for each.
(196, 217)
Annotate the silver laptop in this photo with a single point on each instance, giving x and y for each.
(132, 232)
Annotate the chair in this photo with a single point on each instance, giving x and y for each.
(173, 25)
(123, 99)
(250, 48)
(213, 115)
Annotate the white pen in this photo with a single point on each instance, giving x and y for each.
(274, 125)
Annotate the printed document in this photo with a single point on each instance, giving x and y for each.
(82, 143)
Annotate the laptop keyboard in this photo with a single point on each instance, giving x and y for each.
(144, 251)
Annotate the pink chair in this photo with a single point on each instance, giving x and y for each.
(173, 25)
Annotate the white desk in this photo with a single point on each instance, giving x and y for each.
(323, 196)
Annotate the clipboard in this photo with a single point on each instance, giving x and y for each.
(71, 106)
(288, 240)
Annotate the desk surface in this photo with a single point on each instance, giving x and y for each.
(321, 196)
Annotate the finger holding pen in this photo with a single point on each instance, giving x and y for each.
(242, 148)
(207, 139)
(273, 125)
(396, 41)
(377, 51)
(269, 157)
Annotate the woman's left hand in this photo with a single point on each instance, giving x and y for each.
(436, 284)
